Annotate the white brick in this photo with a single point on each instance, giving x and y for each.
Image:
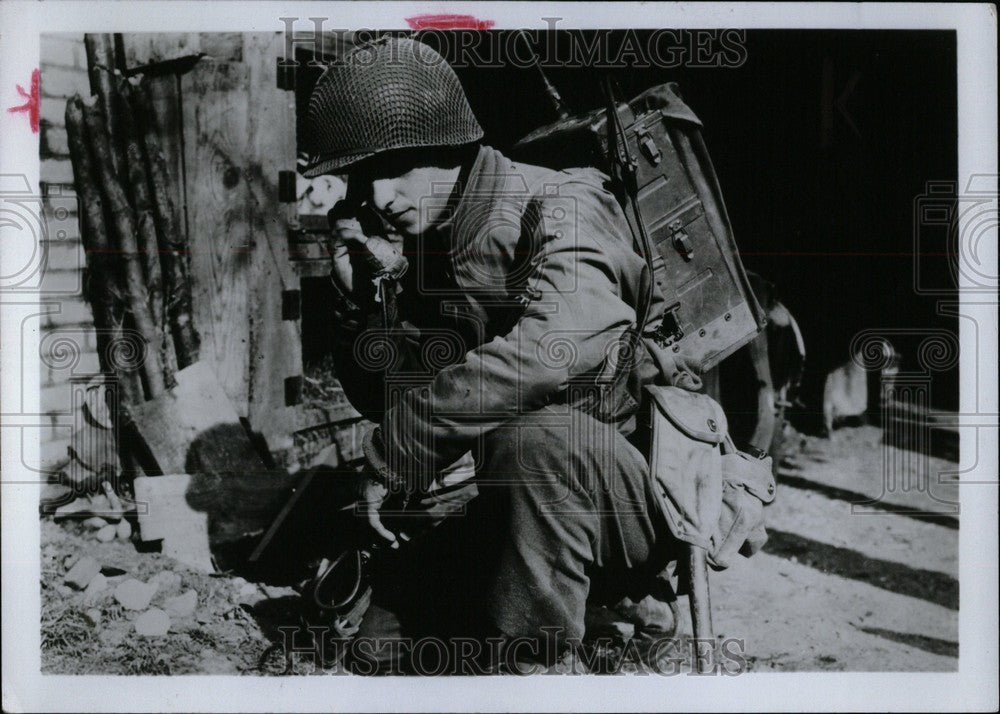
(90, 338)
(63, 82)
(83, 335)
(56, 399)
(72, 312)
(70, 232)
(64, 283)
(64, 255)
(56, 429)
(54, 192)
(56, 171)
(87, 364)
(54, 141)
(50, 377)
(53, 454)
(63, 50)
(59, 200)
(53, 111)
(63, 231)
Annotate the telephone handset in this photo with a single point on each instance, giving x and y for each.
(383, 259)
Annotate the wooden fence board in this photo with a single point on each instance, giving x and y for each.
(216, 115)
(142, 48)
(239, 132)
(276, 342)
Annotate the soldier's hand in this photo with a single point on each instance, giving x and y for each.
(372, 496)
(357, 256)
(348, 240)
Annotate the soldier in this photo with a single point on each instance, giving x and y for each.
(519, 309)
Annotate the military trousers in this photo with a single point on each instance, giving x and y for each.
(566, 514)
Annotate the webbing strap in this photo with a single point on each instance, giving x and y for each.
(623, 167)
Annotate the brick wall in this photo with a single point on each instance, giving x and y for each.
(68, 343)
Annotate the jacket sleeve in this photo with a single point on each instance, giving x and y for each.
(575, 316)
(364, 351)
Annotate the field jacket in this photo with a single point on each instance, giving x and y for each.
(520, 301)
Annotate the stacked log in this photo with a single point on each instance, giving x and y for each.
(102, 284)
(148, 244)
(137, 277)
(125, 230)
(173, 246)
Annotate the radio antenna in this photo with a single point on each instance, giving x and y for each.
(550, 91)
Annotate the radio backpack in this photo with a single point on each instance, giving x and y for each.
(653, 145)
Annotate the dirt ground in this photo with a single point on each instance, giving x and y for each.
(869, 589)
(872, 588)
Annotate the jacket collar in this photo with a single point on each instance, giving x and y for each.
(478, 244)
(473, 181)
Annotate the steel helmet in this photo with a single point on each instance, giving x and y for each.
(393, 93)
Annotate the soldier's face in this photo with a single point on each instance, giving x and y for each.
(397, 184)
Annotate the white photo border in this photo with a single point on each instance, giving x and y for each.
(972, 688)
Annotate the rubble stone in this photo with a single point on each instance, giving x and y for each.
(95, 522)
(70, 560)
(124, 529)
(153, 623)
(82, 572)
(93, 616)
(112, 636)
(167, 582)
(248, 594)
(182, 605)
(116, 580)
(275, 591)
(55, 492)
(134, 594)
(97, 587)
(106, 534)
(99, 503)
(212, 663)
(72, 508)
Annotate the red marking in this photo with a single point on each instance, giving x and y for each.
(448, 22)
(30, 106)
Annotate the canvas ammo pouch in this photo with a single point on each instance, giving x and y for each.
(713, 494)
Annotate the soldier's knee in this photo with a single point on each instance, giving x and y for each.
(528, 442)
(548, 448)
